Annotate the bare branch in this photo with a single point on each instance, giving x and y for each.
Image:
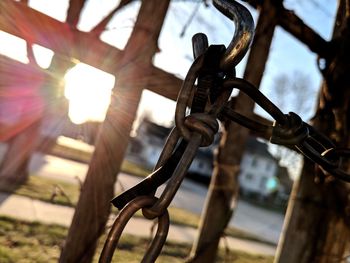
(100, 27)
(74, 12)
(294, 25)
(30, 54)
(190, 19)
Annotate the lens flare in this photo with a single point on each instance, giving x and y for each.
(88, 91)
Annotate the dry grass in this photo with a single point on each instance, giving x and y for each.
(22, 242)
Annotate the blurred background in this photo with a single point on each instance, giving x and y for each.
(63, 67)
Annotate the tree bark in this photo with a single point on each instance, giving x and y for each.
(317, 225)
(14, 165)
(93, 207)
(223, 190)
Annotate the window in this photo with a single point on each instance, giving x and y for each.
(268, 166)
(254, 162)
(249, 177)
(263, 182)
(200, 165)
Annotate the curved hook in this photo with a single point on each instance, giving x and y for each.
(244, 32)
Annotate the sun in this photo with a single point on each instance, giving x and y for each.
(89, 91)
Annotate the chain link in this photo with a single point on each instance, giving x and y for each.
(165, 167)
(339, 154)
(214, 71)
(123, 218)
(290, 130)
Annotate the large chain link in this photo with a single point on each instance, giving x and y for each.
(214, 71)
(119, 224)
(290, 130)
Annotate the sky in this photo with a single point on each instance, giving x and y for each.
(287, 56)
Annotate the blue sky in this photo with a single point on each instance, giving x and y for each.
(286, 57)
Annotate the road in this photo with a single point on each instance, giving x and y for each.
(263, 223)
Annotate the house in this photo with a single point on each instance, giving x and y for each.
(146, 147)
(258, 170)
(261, 176)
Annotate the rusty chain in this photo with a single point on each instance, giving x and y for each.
(290, 130)
(119, 224)
(209, 100)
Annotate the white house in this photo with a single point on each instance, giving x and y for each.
(259, 168)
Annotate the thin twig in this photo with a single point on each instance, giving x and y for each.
(100, 27)
(58, 191)
(190, 19)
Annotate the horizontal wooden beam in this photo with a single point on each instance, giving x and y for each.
(294, 25)
(22, 21)
(20, 76)
(290, 22)
(14, 73)
(164, 83)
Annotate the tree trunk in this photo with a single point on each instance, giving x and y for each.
(14, 165)
(93, 206)
(22, 146)
(223, 190)
(316, 227)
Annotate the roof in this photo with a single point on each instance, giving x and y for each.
(258, 147)
(154, 129)
(204, 153)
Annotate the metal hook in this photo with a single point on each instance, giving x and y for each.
(244, 32)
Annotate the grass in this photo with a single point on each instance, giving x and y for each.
(29, 242)
(134, 169)
(23, 242)
(84, 156)
(67, 151)
(42, 188)
(279, 208)
(45, 189)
